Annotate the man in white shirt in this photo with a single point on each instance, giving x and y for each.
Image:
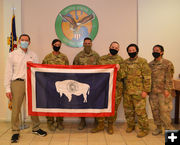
(15, 84)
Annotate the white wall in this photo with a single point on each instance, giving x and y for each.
(3, 100)
(159, 23)
(5, 29)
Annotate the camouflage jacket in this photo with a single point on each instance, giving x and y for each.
(60, 59)
(114, 59)
(137, 76)
(162, 75)
(83, 58)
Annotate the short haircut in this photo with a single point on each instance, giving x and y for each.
(25, 35)
(160, 46)
(133, 45)
(55, 40)
(114, 42)
(87, 38)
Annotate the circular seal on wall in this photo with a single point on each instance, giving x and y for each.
(74, 23)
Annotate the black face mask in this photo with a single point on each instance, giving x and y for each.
(132, 55)
(113, 51)
(55, 48)
(156, 54)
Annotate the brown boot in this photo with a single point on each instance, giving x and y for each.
(157, 131)
(141, 134)
(95, 122)
(51, 126)
(98, 128)
(129, 129)
(50, 123)
(59, 121)
(110, 128)
(60, 126)
(82, 124)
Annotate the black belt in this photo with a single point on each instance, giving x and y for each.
(19, 79)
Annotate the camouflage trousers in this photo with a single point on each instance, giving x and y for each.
(135, 106)
(161, 107)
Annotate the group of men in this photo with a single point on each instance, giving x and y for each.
(136, 79)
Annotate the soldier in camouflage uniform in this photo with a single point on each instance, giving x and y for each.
(137, 84)
(86, 57)
(58, 58)
(162, 84)
(112, 58)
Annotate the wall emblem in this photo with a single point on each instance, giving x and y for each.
(74, 23)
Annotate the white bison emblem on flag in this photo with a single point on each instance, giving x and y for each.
(71, 87)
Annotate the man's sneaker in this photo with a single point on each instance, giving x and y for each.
(15, 138)
(40, 132)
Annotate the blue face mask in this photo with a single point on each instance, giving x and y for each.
(24, 44)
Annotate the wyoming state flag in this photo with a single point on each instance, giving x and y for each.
(73, 91)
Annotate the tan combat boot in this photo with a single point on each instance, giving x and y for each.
(51, 126)
(82, 124)
(165, 128)
(59, 121)
(141, 134)
(50, 123)
(110, 128)
(157, 131)
(95, 122)
(60, 125)
(129, 129)
(99, 127)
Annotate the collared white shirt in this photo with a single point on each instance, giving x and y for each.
(16, 66)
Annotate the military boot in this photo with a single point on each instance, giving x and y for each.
(129, 129)
(51, 127)
(165, 128)
(110, 128)
(169, 127)
(60, 126)
(50, 123)
(157, 131)
(59, 121)
(106, 122)
(141, 134)
(99, 127)
(95, 122)
(82, 124)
